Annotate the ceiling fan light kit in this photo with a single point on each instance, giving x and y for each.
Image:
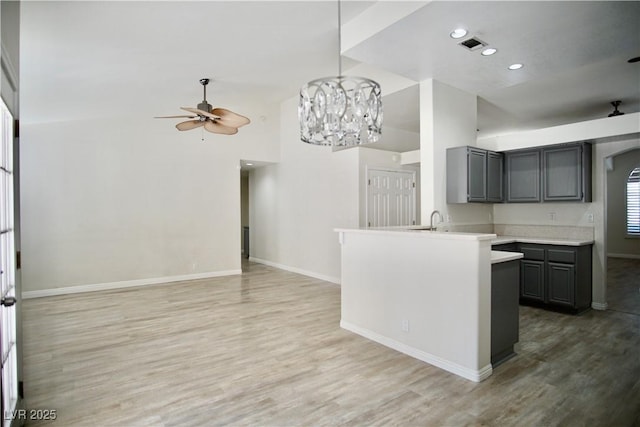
(214, 120)
(341, 111)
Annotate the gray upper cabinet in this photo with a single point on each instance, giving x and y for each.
(567, 173)
(495, 172)
(549, 174)
(474, 175)
(477, 175)
(523, 176)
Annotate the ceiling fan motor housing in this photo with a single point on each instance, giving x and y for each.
(205, 106)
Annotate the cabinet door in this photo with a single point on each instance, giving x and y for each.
(562, 173)
(532, 280)
(495, 171)
(523, 176)
(561, 283)
(477, 175)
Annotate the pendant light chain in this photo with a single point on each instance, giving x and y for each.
(339, 40)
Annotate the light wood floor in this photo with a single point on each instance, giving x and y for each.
(623, 285)
(266, 349)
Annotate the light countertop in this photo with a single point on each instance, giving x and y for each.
(540, 240)
(419, 231)
(502, 256)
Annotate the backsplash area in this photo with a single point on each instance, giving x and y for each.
(545, 231)
(538, 231)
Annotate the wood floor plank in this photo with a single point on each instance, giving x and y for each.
(266, 349)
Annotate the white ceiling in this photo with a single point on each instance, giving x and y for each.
(95, 59)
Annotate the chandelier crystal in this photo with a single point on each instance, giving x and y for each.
(340, 111)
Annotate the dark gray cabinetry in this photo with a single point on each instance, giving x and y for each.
(474, 175)
(567, 173)
(523, 176)
(556, 276)
(504, 310)
(532, 280)
(549, 174)
(495, 172)
(506, 247)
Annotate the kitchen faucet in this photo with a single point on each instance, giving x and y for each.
(432, 215)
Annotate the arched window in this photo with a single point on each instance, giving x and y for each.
(633, 203)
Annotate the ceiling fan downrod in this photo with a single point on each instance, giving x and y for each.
(204, 105)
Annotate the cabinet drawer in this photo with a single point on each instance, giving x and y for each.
(566, 256)
(529, 252)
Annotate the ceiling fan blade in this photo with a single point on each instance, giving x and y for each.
(215, 127)
(189, 124)
(175, 117)
(230, 118)
(200, 112)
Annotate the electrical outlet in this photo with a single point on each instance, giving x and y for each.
(552, 216)
(448, 218)
(590, 217)
(405, 325)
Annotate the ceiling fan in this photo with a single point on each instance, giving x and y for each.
(215, 120)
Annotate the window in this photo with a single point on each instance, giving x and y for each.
(633, 203)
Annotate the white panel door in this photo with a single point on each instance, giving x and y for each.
(8, 336)
(390, 198)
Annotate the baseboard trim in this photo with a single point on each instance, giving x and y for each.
(454, 368)
(627, 256)
(125, 284)
(599, 306)
(313, 274)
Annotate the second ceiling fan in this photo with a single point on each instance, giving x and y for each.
(215, 120)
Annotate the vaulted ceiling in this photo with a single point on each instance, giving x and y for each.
(94, 59)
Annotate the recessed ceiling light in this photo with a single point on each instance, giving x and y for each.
(489, 51)
(249, 164)
(458, 33)
(515, 66)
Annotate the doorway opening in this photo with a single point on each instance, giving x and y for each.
(623, 248)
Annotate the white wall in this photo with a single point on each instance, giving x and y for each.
(124, 199)
(448, 118)
(617, 241)
(297, 203)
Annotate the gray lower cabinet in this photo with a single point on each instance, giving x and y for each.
(561, 280)
(523, 176)
(532, 280)
(556, 276)
(504, 310)
(474, 175)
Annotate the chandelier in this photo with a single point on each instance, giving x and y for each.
(341, 111)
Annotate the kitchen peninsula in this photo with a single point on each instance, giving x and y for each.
(424, 293)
